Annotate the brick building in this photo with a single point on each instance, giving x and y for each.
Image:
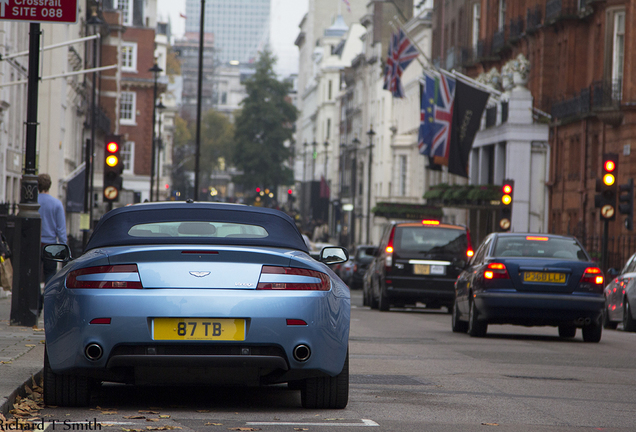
(579, 51)
(127, 93)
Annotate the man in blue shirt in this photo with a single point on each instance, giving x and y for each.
(53, 222)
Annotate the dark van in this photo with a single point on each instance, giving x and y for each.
(417, 262)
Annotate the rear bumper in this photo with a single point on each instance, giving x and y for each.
(431, 290)
(538, 309)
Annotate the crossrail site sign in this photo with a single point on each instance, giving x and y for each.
(57, 11)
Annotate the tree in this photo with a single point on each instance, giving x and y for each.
(263, 125)
(217, 135)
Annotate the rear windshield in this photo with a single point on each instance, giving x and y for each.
(430, 240)
(539, 247)
(197, 229)
(361, 254)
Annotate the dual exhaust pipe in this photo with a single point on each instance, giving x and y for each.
(93, 351)
(583, 321)
(302, 353)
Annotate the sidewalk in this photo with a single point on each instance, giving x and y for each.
(21, 355)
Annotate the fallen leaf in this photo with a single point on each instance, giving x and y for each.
(6, 362)
(135, 417)
(162, 428)
(213, 424)
(132, 430)
(29, 345)
(35, 328)
(243, 429)
(42, 342)
(147, 412)
(300, 429)
(164, 416)
(152, 419)
(490, 424)
(109, 412)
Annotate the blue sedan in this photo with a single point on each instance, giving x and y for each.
(196, 293)
(530, 280)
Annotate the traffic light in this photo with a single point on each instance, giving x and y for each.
(113, 167)
(606, 187)
(290, 195)
(626, 202)
(505, 208)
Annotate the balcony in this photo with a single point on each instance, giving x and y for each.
(499, 40)
(516, 29)
(533, 20)
(483, 50)
(602, 98)
(556, 10)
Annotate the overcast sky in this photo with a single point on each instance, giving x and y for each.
(285, 17)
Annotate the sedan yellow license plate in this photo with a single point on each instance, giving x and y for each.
(198, 329)
(421, 269)
(544, 277)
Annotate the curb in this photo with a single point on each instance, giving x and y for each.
(8, 401)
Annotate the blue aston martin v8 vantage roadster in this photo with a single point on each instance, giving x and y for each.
(187, 293)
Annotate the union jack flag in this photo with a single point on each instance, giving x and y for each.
(401, 53)
(348, 5)
(438, 98)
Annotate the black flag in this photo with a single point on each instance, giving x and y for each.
(469, 106)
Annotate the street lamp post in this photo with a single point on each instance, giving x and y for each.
(305, 144)
(197, 152)
(160, 109)
(155, 69)
(326, 158)
(313, 160)
(354, 186)
(370, 134)
(93, 22)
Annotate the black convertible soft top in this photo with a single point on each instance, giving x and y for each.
(114, 227)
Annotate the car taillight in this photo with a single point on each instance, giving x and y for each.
(496, 271)
(469, 248)
(292, 278)
(592, 275)
(388, 261)
(115, 276)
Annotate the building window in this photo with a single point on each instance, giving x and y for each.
(129, 56)
(128, 156)
(618, 53)
(476, 21)
(126, 7)
(402, 170)
(502, 14)
(127, 107)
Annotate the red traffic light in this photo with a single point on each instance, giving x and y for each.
(609, 166)
(112, 147)
(258, 190)
(507, 189)
(289, 191)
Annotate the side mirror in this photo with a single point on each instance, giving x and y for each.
(333, 255)
(57, 252)
(613, 272)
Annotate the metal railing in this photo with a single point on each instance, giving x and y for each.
(516, 28)
(533, 19)
(619, 249)
(601, 95)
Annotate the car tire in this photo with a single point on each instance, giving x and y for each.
(629, 324)
(610, 325)
(459, 326)
(567, 331)
(592, 332)
(373, 302)
(65, 390)
(365, 297)
(327, 392)
(383, 302)
(476, 327)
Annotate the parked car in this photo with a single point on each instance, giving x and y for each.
(185, 293)
(530, 280)
(345, 271)
(417, 262)
(362, 257)
(620, 298)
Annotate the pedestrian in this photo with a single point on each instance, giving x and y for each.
(6, 269)
(53, 222)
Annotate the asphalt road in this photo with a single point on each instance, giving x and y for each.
(409, 372)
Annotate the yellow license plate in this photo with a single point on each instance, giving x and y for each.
(421, 269)
(198, 329)
(544, 277)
